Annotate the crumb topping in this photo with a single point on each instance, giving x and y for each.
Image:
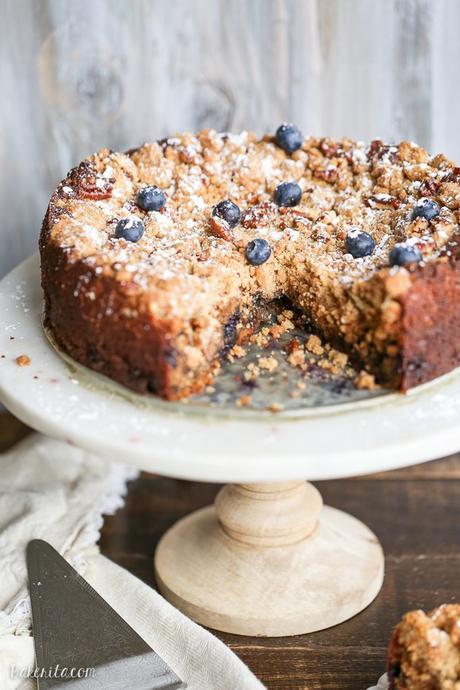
(347, 186)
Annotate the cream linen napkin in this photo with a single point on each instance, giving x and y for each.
(57, 492)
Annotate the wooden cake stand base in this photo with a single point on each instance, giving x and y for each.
(269, 560)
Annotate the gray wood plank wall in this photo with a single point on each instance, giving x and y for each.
(76, 75)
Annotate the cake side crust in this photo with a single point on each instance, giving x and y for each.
(430, 325)
(108, 325)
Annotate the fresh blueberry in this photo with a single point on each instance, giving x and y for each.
(151, 199)
(403, 254)
(288, 194)
(359, 243)
(228, 211)
(289, 137)
(257, 252)
(131, 229)
(426, 208)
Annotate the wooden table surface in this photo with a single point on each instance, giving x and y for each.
(416, 514)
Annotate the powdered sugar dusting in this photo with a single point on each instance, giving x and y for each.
(347, 187)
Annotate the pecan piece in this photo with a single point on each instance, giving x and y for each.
(89, 185)
(429, 187)
(329, 147)
(380, 150)
(260, 215)
(452, 176)
(329, 174)
(375, 146)
(219, 228)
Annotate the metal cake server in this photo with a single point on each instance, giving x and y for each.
(74, 628)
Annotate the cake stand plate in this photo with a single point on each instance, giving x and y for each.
(268, 559)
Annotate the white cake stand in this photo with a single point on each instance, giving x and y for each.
(268, 558)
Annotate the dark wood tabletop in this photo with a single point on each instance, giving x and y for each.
(416, 514)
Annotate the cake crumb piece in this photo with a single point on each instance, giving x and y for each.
(285, 320)
(314, 345)
(262, 337)
(244, 401)
(297, 358)
(365, 381)
(251, 373)
(23, 361)
(268, 363)
(293, 344)
(275, 407)
(237, 351)
(340, 359)
(423, 651)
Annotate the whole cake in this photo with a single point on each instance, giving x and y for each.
(156, 261)
(424, 651)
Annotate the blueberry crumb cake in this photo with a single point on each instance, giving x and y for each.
(155, 262)
(424, 652)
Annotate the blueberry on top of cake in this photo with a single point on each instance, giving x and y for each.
(148, 255)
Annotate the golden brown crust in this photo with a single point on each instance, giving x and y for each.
(424, 651)
(156, 314)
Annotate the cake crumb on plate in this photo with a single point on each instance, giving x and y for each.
(23, 360)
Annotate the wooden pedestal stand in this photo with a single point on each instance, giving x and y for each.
(269, 559)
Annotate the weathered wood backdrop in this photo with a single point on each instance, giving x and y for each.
(76, 75)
